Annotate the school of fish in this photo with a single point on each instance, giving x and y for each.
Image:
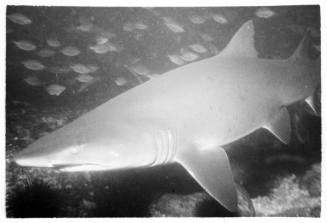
(106, 42)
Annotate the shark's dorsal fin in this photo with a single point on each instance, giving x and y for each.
(280, 125)
(242, 43)
(301, 52)
(211, 169)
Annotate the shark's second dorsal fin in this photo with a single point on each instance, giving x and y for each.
(280, 125)
(310, 101)
(301, 52)
(242, 43)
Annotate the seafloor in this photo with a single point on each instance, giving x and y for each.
(273, 179)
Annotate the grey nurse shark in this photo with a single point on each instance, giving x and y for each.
(186, 115)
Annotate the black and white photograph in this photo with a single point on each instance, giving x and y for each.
(194, 111)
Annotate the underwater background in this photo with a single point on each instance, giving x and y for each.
(62, 62)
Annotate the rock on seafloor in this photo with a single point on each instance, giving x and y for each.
(290, 196)
(312, 180)
(199, 205)
(287, 198)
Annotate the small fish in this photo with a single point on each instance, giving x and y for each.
(188, 55)
(213, 49)
(25, 45)
(219, 18)
(46, 53)
(167, 19)
(140, 25)
(84, 69)
(196, 19)
(33, 65)
(53, 43)
(128, 27)
(172, 25)
(198, 48)
(153, 11)
(84, 78)
(85, 26)
(105, 48)
(206, 37)
(33, 81)
(80, 68)
(264, 12)
(175, 27)
(176, 59)
(19, 18)
(55, 89)
(85, 86)
(59, 70)
(70, 51)
(101, 40)
(120, 81)
(93, 68)
(139, 69)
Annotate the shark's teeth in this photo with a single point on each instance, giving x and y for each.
(80, 167)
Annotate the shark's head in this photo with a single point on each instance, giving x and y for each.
(89, 152)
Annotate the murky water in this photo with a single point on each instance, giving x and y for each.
(64, 61)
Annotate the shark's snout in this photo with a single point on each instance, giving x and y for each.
(23, 159)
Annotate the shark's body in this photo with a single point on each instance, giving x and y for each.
(185, 116)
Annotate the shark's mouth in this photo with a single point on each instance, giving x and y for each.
(78, 167)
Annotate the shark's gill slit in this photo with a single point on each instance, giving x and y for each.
(164, 142)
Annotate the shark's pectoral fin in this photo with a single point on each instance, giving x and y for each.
(280, 125)
(310, 101)
(211, 169)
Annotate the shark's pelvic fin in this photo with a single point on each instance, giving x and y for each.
(280, 125)
(211, 169)
(310, 101)
(242, 44)
(301, 52)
